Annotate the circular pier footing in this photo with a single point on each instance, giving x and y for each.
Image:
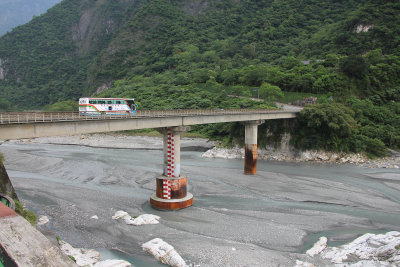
(171, 204)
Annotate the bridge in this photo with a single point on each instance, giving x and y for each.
(171, 186)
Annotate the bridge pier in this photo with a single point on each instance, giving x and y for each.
(250, 149)
(171, 187)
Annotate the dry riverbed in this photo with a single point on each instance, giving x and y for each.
(268, 219)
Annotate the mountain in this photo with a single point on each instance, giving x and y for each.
(174, 54)
(80, 47)
(17, 12)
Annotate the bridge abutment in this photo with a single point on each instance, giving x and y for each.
(171, 187)
(250, 149)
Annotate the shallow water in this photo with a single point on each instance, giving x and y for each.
(288, 206)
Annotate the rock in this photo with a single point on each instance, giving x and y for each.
(90, 257)
(119, 214)
(226, 153)
(112, 263)
(83, 257)
(43, 220)
(94, 217)
(381, 248)
(144, 219)
(303, 264)
(318, 247)
(140, 220)
(164, 252)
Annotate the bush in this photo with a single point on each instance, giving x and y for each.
(373, 147)
(329, 126)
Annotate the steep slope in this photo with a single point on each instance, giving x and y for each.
(46, 60)
(188, 35)
(374, 25)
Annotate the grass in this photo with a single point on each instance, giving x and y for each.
(1, 158)
(27, 214)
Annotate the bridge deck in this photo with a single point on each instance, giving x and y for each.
(31, 124)
(29, 117)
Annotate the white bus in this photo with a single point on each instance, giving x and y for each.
(108, 106)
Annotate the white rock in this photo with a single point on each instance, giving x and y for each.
(364, 263)
(226, 153)
(94, 217)
(318, 247)
(140, 220)
(112, 263)
(43, 220)
(82, 256)
(368, 247)
(164, 252)
(120, 214)
(144, 219)
(303, 264)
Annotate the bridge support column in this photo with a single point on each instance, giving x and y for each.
(250, 149)
(171, 187)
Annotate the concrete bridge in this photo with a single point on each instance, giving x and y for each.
(171, 186)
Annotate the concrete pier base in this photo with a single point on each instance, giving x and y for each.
(171, 187)
(171, 204)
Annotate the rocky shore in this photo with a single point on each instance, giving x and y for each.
(270, 153)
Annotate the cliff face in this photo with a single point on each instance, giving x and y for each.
(6, 187)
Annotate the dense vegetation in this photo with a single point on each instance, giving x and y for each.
(216, 54)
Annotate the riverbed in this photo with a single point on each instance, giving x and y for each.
(267, 219)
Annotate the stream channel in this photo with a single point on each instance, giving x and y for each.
(270, 218)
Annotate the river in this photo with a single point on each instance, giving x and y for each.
(267, 219)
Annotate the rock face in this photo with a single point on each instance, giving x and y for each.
(164, 252)
(6, 187)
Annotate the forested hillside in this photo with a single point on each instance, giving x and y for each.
(198, 53)
(17, 12)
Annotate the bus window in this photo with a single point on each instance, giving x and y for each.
(109, 101)
(117, 102)
(91, 101)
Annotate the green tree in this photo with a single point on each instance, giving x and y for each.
(270, 92)
(330, 126)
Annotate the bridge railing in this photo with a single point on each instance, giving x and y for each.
(29, 117)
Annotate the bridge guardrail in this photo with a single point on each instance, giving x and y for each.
(29, 117)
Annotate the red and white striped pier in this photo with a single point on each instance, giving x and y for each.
(171, 187)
